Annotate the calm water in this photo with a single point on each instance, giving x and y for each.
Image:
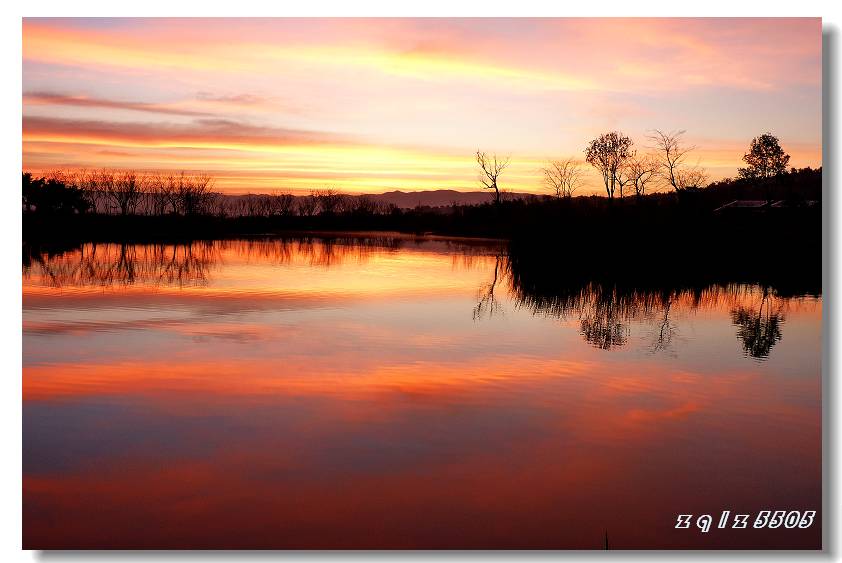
(403, 393)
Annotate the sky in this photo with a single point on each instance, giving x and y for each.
(372, 105)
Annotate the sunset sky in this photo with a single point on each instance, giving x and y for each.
(373, 105)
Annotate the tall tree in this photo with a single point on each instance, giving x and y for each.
(765, 158)
(490, 170)
(608, 153)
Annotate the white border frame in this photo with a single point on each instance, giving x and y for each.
(10, 226)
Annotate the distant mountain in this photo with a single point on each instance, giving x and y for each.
(430, 198)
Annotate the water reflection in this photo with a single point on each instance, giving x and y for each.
(759, 326)
(403, 392)
(107, 265)
(111, 264)
(604, 312)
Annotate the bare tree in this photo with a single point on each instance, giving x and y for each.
(254, 205)
(563, 177)
(640, 170)
(170, 190)
(490, 170)
(124, 190)
(330, 201)
(218, 205)
(190, 195)
(672, 156)
(200, 194)
(691, 178)
(282, 205)
(308, 205)
(104, 182)
(157, 200)
(86, 181)
(608, 154)
(623, 176)
(364, 205)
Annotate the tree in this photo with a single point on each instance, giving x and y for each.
(491, 169)
(125, 190)
(363, 205)
(190, 195)
(640, 170)
(672, 154)
(690, 178)
(330, 201)
(308, 205)
(52, 196)
(87, 181)
(623, 176)
(156, 193)
(563, 177)
(765, 158)
(282, 204)
(608, 153)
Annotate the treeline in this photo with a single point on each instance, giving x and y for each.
(129, 192)
(123, 192)
(185, 208)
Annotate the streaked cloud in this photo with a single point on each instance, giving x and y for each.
(50, 98)
(201, 133)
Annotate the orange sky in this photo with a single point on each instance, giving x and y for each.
(372, 105)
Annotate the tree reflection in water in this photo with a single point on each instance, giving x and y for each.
(759, 328)
(121, 264)
(605, 309)
(488, 304)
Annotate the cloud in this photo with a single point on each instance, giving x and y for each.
(50, 98)
(216, 133)
(239, 99)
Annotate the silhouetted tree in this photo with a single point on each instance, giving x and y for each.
(193, 193)
(308, 205)
(563, 177)
(490, 170)
(640, 170)
(125, 190)
(672, 155)
(765, 158)
(362, 206)
(51, 196)
(608, 153)
(282, 205)
(87, 181)
(330, 201)
(691, 178)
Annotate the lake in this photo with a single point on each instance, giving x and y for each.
(387, 391)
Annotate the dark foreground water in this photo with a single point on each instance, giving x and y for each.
(403, 393)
